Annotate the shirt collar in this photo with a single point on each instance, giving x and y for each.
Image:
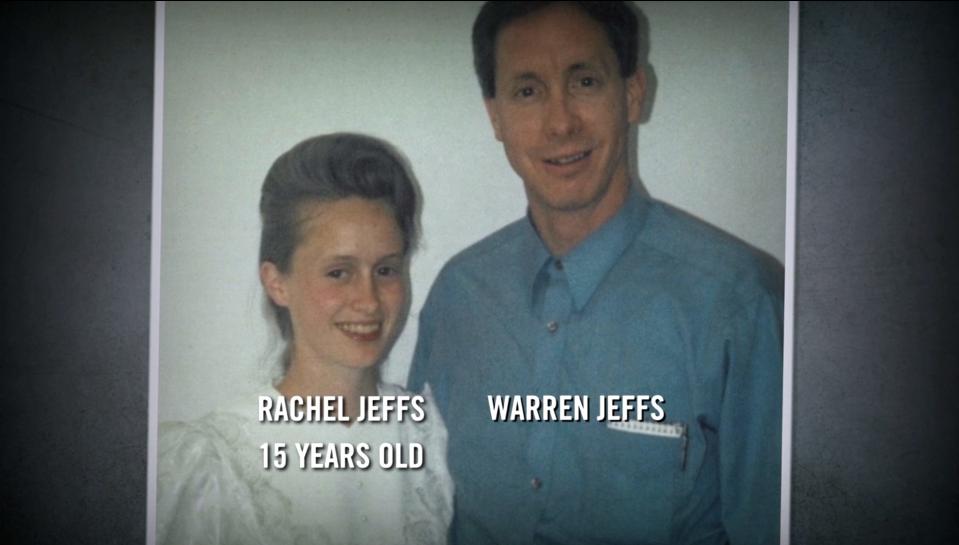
(587, 264)
(533, 256)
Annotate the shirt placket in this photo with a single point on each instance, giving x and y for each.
(554, 317)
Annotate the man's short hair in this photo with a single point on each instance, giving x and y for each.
(616, 18)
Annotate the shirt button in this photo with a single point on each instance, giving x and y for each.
(558, 264)
(535, 483)
(552, 327)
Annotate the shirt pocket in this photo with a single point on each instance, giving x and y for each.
(638, 470)
(665, 430)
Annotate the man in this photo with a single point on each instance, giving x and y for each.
(599, 292)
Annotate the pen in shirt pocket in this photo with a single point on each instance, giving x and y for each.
(671, 430)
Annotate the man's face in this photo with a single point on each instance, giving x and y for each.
(563, 111)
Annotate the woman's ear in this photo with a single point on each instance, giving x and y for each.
(274, 284)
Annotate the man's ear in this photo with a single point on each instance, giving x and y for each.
(635, 93)
(274, 284)
(490, 104)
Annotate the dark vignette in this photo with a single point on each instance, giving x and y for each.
(76, 115)
(875, 443)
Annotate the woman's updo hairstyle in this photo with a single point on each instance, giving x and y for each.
(323, 169)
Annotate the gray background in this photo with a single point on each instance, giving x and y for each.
(875, 450)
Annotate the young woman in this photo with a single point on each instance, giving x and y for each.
(339, 225)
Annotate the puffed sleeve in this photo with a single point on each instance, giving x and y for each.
(433, 490)
(206, 495)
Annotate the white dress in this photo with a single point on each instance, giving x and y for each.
(212, 487)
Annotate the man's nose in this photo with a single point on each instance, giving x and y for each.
(561, 116)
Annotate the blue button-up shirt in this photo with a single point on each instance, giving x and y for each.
(653, 302)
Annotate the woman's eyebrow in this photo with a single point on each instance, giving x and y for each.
(349, 258)
(353, 258)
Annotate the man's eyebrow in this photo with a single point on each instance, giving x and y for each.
(525, 76)
(585, 65)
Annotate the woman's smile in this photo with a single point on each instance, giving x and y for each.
(361, 331)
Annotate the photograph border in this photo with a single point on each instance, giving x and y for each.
(789, 271)
(789, 292)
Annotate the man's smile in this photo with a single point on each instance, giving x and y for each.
(562, 160)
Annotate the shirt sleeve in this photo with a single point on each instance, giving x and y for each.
(751, 422)
(424, 369)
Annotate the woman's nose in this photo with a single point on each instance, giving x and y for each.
(366, 296)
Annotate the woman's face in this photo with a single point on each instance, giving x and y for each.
(346, 285)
